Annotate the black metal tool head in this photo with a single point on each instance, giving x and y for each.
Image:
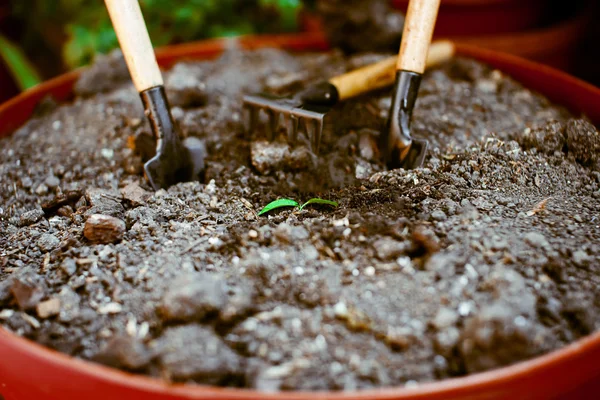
(175, 161)
(414, 155)
(399, 148)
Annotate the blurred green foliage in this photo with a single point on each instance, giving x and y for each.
(20, 68)
(78, 29)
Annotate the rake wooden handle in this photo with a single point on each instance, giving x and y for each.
(383, 73)
(128, 22)
(417, 34)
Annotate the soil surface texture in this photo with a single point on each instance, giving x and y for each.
(486, 256)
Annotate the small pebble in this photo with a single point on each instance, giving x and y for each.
(438, 215)
(536, 239)
(464, 308)
(193, 296)
(440, 361)
(26, 182)
(399, 338)
(31, 217)
(65, 211)
(107, 153)
(52, 181)
(340, 310)
(367, 144)
(135, 194)
(47, 242)
(388, 248)
(68, 266)
(26, 295)
(35, 324)
(520, 321)
(41, 189)
(48, 308)
(580, 258)
(104, 229)
(110, 308)
(445, 318)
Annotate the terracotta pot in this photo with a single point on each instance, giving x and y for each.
(512, 26)
(476, 17)
(556, 45)
(30, 371)
(309, 22)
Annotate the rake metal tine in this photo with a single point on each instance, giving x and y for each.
(310, 128)
(273, 124)
(293, 129)
(318, 132)
(303, 127)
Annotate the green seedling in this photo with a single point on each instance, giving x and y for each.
(319, 201)
(280, 203)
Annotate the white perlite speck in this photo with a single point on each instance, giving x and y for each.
(110, 308)
(340, 310)
(464, 309)
(107, 153)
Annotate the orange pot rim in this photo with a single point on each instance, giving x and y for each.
(576, 360)
(452, 387)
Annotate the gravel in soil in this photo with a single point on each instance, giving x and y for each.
(486, 256)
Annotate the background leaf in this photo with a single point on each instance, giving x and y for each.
(74, 31)
(319, 201)
(278, 204)
(19, 66)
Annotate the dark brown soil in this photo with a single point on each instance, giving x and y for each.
(488, 255)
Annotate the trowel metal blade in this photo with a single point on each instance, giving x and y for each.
(416, 154)
(170, 166)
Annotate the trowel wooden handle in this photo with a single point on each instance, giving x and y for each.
(128, 22)
(383, 73)
(417, 34)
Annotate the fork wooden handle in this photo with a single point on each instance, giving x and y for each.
(383, 73)
(417, 34)
(128, 22)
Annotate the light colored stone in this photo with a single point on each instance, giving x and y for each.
(104, 229)
(48, 308)
(135, 194)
